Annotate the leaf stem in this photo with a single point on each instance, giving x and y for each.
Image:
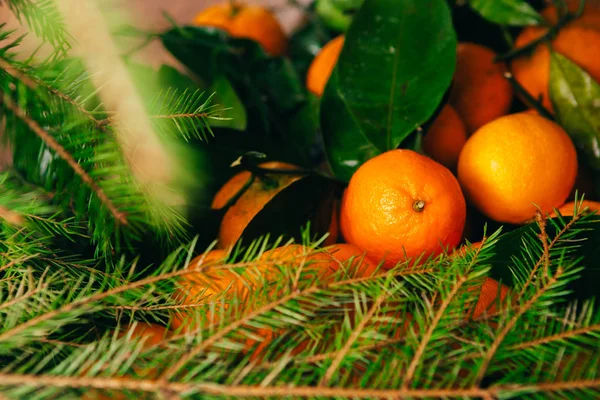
(549, 35)
(543, 111)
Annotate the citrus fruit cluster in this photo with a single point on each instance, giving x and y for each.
(403, 206)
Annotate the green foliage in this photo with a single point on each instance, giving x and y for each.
(337, 14)
(386, 85)
(507, 12)
(44, 19)
(574, 94)
(279, 109)
(403, 332)
(76, 281)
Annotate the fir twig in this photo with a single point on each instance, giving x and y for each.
(547, 248)
(153, 386)
(167, 374)
(428, 334)
(558, 337)
(491, 351)
(355, 334)
(66, 156)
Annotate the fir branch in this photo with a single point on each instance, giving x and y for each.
(17, 261)
(66, 156)
(238, 323)
(356, 332)
(44, 19)
(545, 257)
(569, 334)
(427, 336)
(30, 293)
(154, 386)
(491, 351)
(17, 74)
(185, 114)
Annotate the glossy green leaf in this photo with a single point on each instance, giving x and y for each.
(397, 62)
(346, 145)
(288, 212)
(306, 43)
(269, 87)
(507, 12)
(225, 96)
(337, 14)
(575, 96)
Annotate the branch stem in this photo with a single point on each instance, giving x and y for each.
(66, 156)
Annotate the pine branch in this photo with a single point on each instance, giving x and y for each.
(242, 391)
(489, 354)
(353, 337)
(558, 337)
(545, 257)
(427, 336)
(44, 19)
(236, 324)
(66, 156)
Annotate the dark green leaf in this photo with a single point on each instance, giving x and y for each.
(337, 14)
(305, 44)
(291, 209)
(169, 77)
(345, 144)
(396, 64)
(269, 87)
(576, 98)
(507, 12)
(223, 93)
(225, 96)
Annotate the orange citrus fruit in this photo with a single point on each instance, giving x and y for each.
(401, 205)
(568, 209)
(446, 138)
(246, 21)
(515, 163)
(322, 66)
(589, 18)
(207, 285)
(491, 293)
(349, 258)
(479, 93)
(578, 43)
(239, 215)
(150, 335)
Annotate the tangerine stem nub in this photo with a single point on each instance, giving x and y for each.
(419, 205)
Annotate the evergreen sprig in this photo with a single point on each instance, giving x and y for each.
(45, 21)
(63, 142)
(399, 333)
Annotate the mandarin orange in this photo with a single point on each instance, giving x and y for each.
(401, 205)
(246, 21)
(479, 93)
(322, 66)
(239, 215)
(446, 138)
(579, 43)
(515, 164)
(568, 209)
